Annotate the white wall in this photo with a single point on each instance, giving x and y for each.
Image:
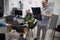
(13, 3)
(57, 10)
(6, 7)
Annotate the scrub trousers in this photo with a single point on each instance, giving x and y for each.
(44, 30)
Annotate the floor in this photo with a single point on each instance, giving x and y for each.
(15, 35)
(31, 36)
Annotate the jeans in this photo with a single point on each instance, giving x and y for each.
(2, 24)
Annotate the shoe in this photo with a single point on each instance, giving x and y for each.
(36, 39)
(21, 35)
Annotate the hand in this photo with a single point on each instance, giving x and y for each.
(9, 25)
(43, 14)
(48, 15)
(26, 22)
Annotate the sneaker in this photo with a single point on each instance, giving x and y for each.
(21, 35)
(36, 39)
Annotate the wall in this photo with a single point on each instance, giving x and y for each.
(58, 7)
(6, 7)
(56, 10)
(13, 3)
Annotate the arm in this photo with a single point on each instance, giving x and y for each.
(2, 24)
(48, 15)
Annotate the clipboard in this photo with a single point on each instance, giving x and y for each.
(37, 13)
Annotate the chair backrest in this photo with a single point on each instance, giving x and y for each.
(53, 22)
(58, 28)
(9, 18)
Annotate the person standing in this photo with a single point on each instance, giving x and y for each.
(46, 13)
(21, 5)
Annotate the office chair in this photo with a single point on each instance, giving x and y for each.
(56, 29)
(53, 24)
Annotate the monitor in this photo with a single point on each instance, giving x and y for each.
(18, 12)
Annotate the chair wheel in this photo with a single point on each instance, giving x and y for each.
(20, 36)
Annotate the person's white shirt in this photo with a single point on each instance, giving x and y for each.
(36, 3)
